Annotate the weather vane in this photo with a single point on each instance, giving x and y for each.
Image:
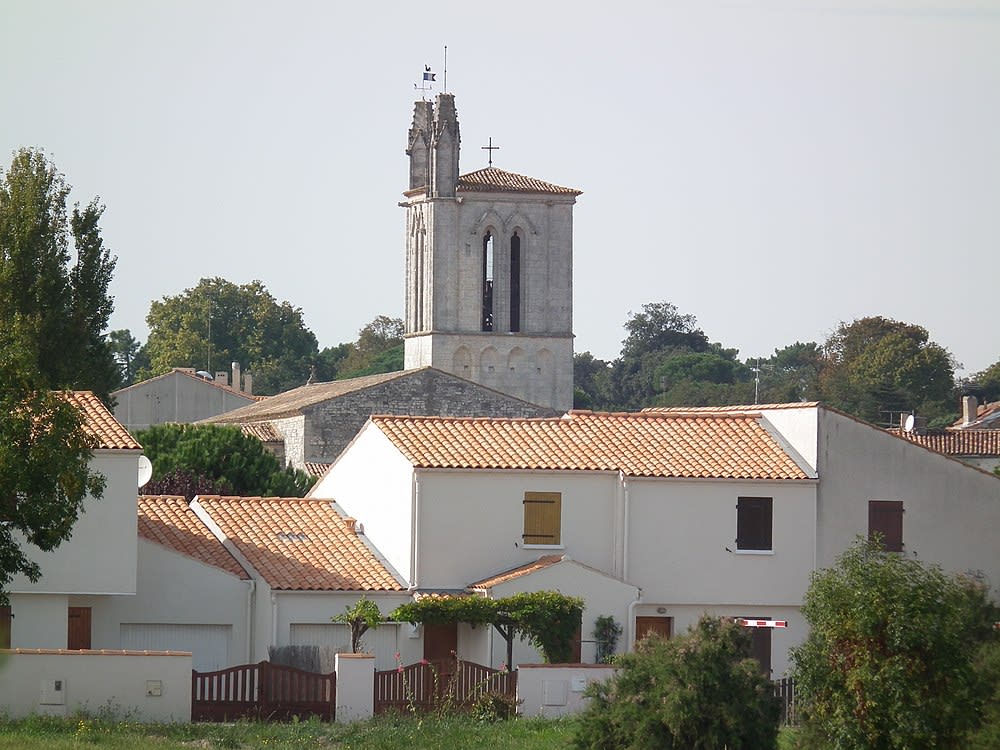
(426, 82)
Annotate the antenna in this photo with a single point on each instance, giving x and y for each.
(445, 82)
(145, 471)
(910, 423)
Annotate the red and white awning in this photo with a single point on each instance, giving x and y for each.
(761, 623)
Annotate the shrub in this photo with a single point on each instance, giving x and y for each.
(699, 691)
(493, 706)
(890, 659)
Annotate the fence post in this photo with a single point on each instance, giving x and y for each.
(355, 686)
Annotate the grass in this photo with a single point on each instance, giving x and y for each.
(36, 733)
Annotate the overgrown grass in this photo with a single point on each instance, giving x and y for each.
(392, 733)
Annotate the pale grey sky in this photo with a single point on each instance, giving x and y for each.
(773, 168)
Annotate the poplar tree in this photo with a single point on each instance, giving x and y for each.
(54, 277)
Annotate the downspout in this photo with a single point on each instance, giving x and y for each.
(274, 620)
(630, 625)
(251, 587)
(616, 553)
(625, 528)
(414, 530)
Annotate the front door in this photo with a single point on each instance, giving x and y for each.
(440, 641)
(78, 632)
(655, 625)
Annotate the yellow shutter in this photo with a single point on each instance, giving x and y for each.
(542, 517)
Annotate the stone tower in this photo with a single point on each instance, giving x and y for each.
(489, 268)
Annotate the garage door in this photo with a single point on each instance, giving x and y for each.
(208, 644)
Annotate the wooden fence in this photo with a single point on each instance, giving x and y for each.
(262, 691)
(427, 686)
(784, 689)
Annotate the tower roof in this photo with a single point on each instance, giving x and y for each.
(493, 180)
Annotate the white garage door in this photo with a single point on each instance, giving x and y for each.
(208, 644)
(381, 641)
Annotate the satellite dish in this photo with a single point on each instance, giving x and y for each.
(145, 471)
(909, 423)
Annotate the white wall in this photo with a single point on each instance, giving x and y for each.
(551, 691)
(92, 681)
(471, 523)
(681, 542)
(372, 481)
(100, 557)
(796, 427)
(174, 589)
(951, 511)
(39, 620)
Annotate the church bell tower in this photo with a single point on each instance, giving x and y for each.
(489, 268)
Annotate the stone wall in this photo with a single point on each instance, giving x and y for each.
(331, 425)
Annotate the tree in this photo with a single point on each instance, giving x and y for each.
(362, 616)
(876, 365)
(218, 322)
(222, 455)
(45, 471)
(591, 382)
(699, 691)
(379, 348)
(790, 374)
(62, 305)
(989, 381)
(129, 355)
(889, 662)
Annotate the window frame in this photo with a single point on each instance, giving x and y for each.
(533, 520)
(748, 525)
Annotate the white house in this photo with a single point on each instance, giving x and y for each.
(720, 510)
(98, 562)
(228, 577)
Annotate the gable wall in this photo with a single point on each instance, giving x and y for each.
(373, 483)
(951, 511)
(174, 398)
(100, 556)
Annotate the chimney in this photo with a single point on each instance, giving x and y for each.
(351, 524)
(970, 410)
(222, 377)
(248, 384)
(236, 377)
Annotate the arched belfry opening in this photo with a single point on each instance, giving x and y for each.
(515, 282)
(487, 318)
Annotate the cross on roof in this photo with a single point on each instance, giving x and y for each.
(490, 149)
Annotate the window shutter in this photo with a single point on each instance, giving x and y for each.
(542, 517)
(753, 523)
(886, 518)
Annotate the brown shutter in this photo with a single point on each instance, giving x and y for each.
(886, 518)
(753, 523)
(542, 517)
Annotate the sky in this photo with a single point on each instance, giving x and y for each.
(772, 168)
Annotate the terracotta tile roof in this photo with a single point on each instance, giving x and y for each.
(263, 431)
(509, 575)
(299, 544)
(100, 423)
(957, 442)
(188, 373)
(729, 446)
(493, 180)
(170, 522)
(314, 469)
